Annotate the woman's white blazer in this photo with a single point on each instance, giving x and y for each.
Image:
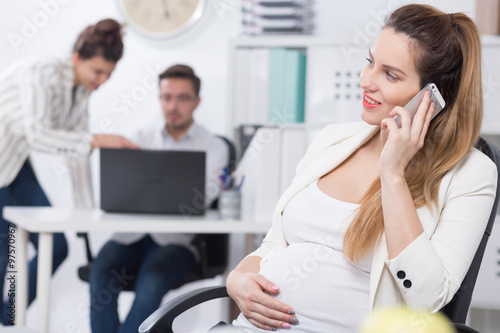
(430, 270)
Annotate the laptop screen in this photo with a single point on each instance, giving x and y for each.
(152, 181)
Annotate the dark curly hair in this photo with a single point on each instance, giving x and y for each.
(101, 39)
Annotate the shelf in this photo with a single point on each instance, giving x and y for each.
(292, 41)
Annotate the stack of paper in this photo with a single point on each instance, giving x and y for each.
(277, 17)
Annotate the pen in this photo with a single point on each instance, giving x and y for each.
(241, 182)
(223, 179)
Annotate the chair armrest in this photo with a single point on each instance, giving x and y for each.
(88, 252)
(161, 320)
(462, 328)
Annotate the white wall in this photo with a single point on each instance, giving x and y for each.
(203, 47)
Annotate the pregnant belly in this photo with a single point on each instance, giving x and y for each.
(320, 284)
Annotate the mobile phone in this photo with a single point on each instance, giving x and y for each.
(413, 105)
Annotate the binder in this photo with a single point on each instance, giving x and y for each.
(258, 88)
(286, 86)
(242, 97)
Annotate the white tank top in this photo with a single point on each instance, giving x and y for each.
(327, 291)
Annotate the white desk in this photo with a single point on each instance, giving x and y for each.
(47, 220)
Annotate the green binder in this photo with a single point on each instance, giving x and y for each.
(287, 76)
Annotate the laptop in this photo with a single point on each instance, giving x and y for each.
(152, 181)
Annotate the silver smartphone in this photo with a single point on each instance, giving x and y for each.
(413, 105)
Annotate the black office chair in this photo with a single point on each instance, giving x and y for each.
(162, 319)
(458, 308)
(213, 248)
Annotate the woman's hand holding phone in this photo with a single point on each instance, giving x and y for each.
(401, 221)
(413, 105)
(404, 142)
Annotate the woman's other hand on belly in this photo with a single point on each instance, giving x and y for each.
(253, 294)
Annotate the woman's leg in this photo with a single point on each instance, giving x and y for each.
(4, 251)
(161, 269)
(114, 268)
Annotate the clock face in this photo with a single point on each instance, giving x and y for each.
(162, 18)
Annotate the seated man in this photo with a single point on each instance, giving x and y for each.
(157, 262)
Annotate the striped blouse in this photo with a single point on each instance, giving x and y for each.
(40, 109)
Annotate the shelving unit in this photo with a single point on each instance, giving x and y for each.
(332, 78)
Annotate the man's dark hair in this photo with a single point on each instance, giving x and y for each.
(182, 72)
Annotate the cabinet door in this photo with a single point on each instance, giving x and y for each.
(333, 93)
(269, 165)
(491, 89)
(487, 290)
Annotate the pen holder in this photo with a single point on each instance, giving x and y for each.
(230, 205)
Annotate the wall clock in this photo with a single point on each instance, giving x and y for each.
(162, 19)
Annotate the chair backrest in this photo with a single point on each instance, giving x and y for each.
(214, 254)
(457, 309)
(231, 165)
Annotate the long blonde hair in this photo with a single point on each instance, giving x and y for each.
(447, 51)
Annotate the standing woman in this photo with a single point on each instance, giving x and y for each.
(43, 107)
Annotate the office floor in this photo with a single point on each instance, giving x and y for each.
(70, 298)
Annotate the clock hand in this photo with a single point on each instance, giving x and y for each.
(165, 8)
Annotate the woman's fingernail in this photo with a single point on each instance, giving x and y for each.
(286, 325)
(290, 312)
(294, 321)
(272, 329)
(429, 92)
(275, 287)
(434, 104)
